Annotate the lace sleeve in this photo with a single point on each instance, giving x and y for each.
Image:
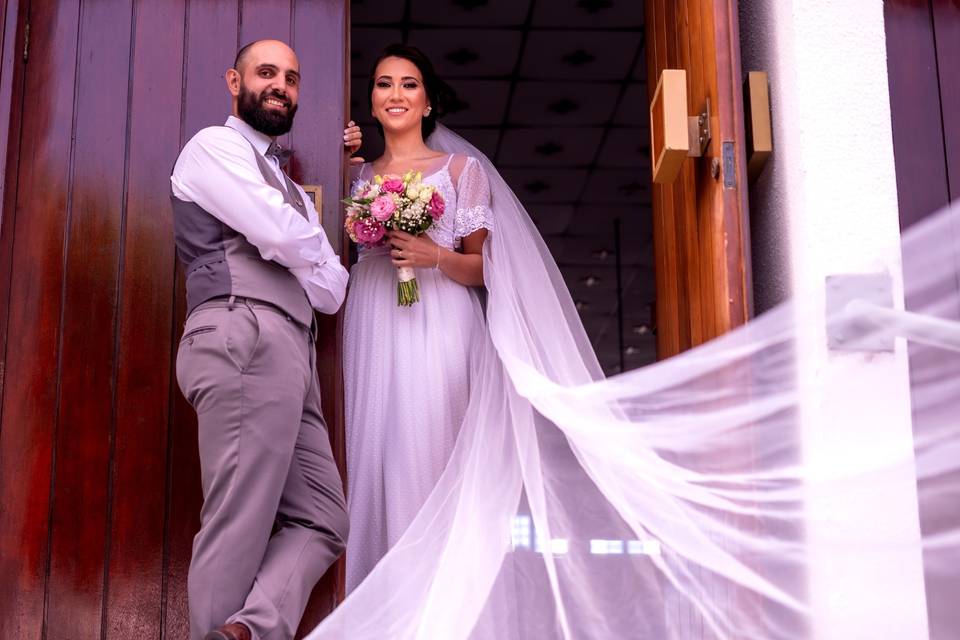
(473, 200)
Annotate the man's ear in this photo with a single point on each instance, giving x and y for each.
(233, 82)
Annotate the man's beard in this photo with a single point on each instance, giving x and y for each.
(265, 120)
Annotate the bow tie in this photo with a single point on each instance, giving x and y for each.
(281, 154)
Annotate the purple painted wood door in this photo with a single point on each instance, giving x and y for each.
(99, 479)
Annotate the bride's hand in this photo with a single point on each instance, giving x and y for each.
(413, 251)
(352, 139)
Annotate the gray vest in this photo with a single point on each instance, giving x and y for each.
(220, 262)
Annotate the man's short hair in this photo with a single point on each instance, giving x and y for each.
(242, 54)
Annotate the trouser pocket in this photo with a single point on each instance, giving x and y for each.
(243, 336)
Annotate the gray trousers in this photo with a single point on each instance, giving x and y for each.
(274, 516)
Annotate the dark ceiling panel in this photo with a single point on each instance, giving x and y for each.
(459, 53)
(480, 102)
(623, 186)
(589, 14)
(374, 11)
(563, 103)
(543, 185)
(634, 109)
(499, 13)
(579, 55)
(629, 147)
(551, 218)
(366, 44)
(571, 147)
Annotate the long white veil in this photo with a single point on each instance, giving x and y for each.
(685, 499)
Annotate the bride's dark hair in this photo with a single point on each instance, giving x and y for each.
(439, 93)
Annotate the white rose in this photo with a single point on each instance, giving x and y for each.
(425, 194)
(413, 193)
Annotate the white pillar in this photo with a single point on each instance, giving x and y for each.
(828, 203)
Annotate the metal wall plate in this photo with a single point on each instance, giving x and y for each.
(846, 332)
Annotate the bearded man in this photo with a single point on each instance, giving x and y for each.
(257, 265)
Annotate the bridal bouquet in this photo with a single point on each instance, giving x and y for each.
(396, 203)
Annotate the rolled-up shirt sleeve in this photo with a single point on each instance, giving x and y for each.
(218, 171)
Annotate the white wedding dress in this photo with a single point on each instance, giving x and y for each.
(676, 501)
(407, 372)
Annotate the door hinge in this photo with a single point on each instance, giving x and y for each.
(26, 43)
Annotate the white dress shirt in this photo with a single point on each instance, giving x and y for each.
(218, 171)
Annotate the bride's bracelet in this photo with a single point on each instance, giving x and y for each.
(437, 266)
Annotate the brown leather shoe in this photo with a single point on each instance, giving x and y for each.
(232, 631)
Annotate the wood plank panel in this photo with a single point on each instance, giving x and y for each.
(946, 21)
(689, 231)
(675, 194)
(700, 235)
(918, 144)
(85, 422)
(738, 299)
(11, 92)
(699, 91)
(664, 236)
(321, 39)
(145, 338)
(32, 363)
(265, 19)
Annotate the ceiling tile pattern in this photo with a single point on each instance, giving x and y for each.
(554, 92)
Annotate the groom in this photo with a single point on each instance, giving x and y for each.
(257, 265)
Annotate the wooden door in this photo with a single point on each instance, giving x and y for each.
(923, 54)
(700, 225)
(99, 481)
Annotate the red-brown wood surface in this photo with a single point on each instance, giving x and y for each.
(33, 340)
(135, 570)
(918, 133)
(946, 16)
(701, 243)
(11, 92)
(99, 477)
(321, 33)
(85, 400)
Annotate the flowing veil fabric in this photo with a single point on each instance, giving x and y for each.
(672, 501)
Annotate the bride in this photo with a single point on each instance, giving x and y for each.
(407, 369)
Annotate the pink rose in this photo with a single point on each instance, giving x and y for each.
(368, 231)
(382, 208)
(392, 185)
(436, 206)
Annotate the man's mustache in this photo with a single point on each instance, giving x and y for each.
(277, 96)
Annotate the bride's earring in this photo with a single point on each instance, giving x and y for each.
(427, 112)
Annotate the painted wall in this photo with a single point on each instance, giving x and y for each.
(826, 205)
